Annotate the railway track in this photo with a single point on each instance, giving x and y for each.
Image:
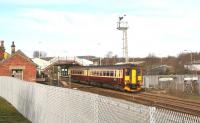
(156, 100)
(171, 103)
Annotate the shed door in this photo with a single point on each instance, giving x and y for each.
(17, 73)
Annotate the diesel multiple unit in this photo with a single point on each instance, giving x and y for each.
(122, 77)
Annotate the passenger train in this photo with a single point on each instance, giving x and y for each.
(121, 77)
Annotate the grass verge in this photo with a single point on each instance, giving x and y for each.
(8, 114)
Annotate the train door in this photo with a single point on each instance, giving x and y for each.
(133, 76)
(128, 78)
(127, 75)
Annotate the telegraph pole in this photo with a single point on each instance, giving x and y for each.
(123, 26)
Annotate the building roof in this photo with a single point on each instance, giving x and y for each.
(41, 63)
(161, 66)
(47, 58)
(19, 52)
(83, 62)
(136, 62)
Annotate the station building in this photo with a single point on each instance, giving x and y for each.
(16, 64)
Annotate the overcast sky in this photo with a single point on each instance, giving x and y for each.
(88, 27)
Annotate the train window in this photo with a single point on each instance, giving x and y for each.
(107, 73)
(104, 73)
(96, 73)
(138, 71)
(120, 73)
(127, 72)
(100, 73)
(111, 73)
(90, 73)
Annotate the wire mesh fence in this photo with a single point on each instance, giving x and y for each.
(165, 116)
(48, 104)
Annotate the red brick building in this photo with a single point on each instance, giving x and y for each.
(17, 65)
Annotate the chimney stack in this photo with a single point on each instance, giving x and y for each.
(2, 50)
(2, 43)
(13, 48)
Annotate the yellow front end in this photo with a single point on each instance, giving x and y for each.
(131, 81)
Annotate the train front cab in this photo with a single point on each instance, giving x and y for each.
(133, 79)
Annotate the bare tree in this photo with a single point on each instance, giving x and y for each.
(39, 54)
(109, 54)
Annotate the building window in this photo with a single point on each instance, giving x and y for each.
(64, 72)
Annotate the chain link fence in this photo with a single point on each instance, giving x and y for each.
(48, 104)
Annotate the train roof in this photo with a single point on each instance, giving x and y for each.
(107, 66)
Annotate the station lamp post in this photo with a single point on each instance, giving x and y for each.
(123, 26)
